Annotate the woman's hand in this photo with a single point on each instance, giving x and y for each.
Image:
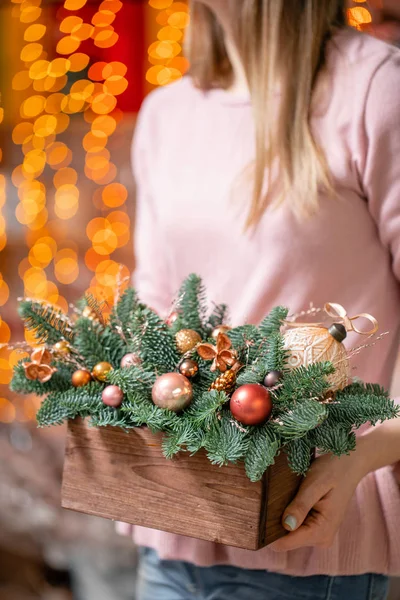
(317, 511)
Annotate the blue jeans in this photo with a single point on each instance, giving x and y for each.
(175, 580)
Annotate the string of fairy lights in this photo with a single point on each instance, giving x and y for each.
(49, 106)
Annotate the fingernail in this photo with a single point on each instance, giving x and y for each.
(291, 522)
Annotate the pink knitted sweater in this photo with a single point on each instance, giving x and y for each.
(189, 149)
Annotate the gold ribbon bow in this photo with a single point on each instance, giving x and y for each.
(335, 310)
(338, 312)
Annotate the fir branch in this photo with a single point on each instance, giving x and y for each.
(299, 454)
(196, 442)
(141, 411)
(191, 306)
(246, 339)
(301, 419)
(175, 441)
(203, 411)
(48, 323)
(203, 380)
(303, 383)
(153, 340)
(51, 413)
(97, 343)
(60, 381)
(107, 416)
(82, 401)
(263, 447)
(224, 442)
(271, 356)
(63, 405)
(353, 409)
(273, 321)
(252, 374)
(366, 389)
(122, 313)
(276, 354)
(219, 316)
(133, 380)
(333, 437)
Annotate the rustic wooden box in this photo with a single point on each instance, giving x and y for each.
(124, 476)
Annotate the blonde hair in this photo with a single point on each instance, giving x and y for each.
(281, 44)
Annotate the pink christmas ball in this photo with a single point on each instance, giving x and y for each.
(112, 395)
(130, 360)
(173, 391)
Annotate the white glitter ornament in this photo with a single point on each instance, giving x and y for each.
(307, 344)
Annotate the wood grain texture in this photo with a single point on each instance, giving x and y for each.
(125, 477)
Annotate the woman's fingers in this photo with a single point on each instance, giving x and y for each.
(308, 495)
(315, 531)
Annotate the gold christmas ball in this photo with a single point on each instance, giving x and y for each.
(188, 368)
(220, 329)
(187, 339)
(307, 345)
(172, 391)
(81, 377)
(101, 370)
(62, 348)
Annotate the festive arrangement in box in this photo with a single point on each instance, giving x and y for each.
(245, 393)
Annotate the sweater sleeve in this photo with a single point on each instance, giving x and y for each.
(381, 176)
(150, 278)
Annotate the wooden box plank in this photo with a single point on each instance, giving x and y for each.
(125, 477)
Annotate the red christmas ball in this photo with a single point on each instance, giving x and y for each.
(251, 404)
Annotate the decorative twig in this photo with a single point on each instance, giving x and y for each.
(304, 313)
(96, 307)
(236, 424)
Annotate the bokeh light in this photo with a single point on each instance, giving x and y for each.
(163, 54)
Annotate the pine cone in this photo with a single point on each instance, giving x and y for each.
(225, 382)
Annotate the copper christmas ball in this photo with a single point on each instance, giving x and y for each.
(220, 329)
(251, 404)
(172, 391)
(189, 368)
(81, 377)
(187, 339)
(272, 378)
(101, 370)
(130, 360)
(62, 348)
(112, 395)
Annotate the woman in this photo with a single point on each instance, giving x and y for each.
(273, 171)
